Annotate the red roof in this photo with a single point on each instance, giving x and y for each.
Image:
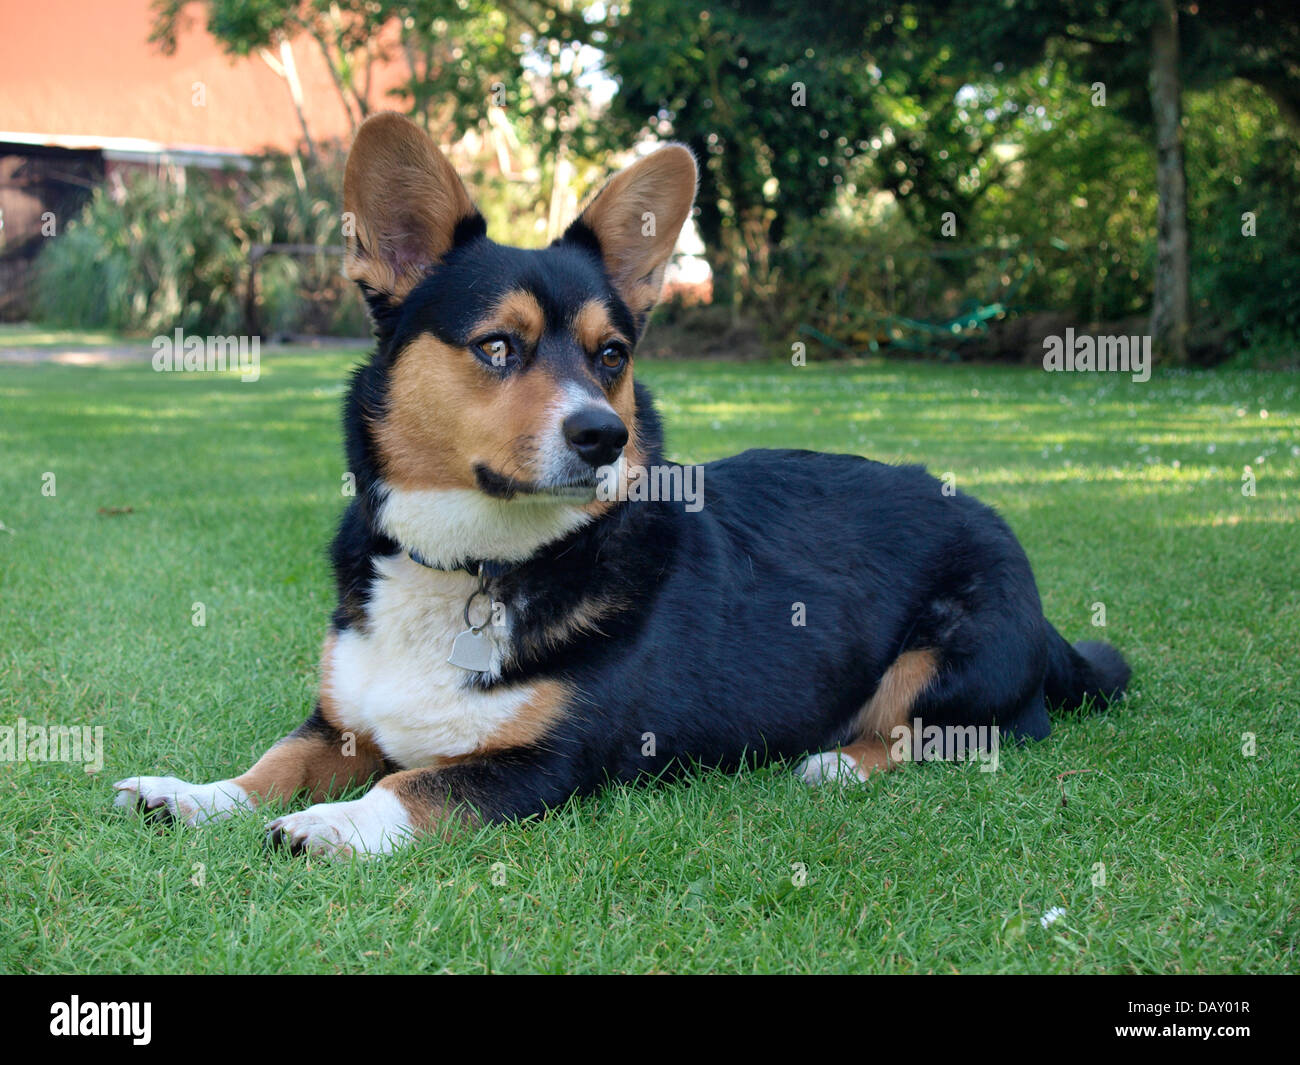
(85, 68)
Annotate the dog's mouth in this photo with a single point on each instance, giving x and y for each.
(576, 491)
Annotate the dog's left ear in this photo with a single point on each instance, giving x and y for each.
(635, 220)
(406, 205)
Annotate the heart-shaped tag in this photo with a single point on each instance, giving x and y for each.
(472, 650)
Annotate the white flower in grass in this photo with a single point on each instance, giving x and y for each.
(1052, 916)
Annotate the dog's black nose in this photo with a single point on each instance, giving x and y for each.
(597, 434)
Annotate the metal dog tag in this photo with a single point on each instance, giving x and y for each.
(472, 650)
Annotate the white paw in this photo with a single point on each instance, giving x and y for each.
(374, 824)
(830, 766)
(178, 799)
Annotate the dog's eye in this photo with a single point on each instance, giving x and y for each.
(497, 351)
(612, 356)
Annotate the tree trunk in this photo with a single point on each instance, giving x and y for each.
(352, 105)
(285, 68)
(1171, 304)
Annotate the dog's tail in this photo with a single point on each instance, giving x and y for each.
(1088, 672)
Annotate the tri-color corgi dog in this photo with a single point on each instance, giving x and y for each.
(516, 625)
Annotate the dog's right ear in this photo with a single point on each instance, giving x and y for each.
(634, 221)
(404, 209)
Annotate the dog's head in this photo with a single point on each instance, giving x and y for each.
(502, 383)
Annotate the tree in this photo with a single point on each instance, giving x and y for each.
(773, 119)
(1130, 46)
(1258, 42)
(1171, 300)
(455, 51)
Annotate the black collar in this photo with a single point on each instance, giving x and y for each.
(485, 569)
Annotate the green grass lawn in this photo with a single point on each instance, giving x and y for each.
(1124, 494)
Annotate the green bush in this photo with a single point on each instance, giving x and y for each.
(1070, 229)
(1081, 199)
(1242, 160)
(154, 253)
(145, 257)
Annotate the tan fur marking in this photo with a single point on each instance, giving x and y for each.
(428, 807)
(892, 703)
(516, 312)
(314, 763)
(534, 720)
(583, 620)
(446, 413)
(870, 756)
(593, 327)
(622, 397)
(889, 707)
(310, 764)
(404, 199)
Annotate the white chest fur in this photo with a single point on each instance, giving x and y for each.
(448, 525)
(393, 681)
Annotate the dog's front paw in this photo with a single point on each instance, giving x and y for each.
(377, 823)
(169, 798)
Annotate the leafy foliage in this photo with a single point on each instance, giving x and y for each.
(775, 124)
(145, 261)
(1244, 161)
(159, 252)
(860, 159)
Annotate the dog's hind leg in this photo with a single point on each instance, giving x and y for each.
(854, 762)
(890, 706)
(1030, 722)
